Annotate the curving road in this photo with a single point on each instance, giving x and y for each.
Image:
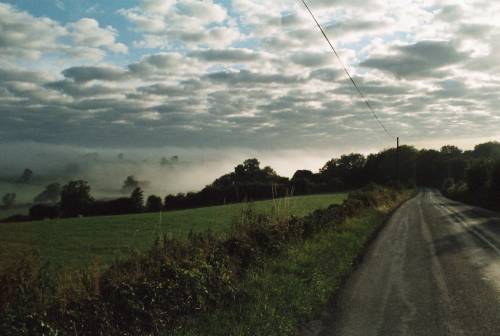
(433, 270)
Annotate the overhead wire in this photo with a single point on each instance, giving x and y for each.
(363, 97)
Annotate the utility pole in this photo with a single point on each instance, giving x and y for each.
(397, 160)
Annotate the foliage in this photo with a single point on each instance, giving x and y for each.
(44, 211)
(137, 200)
(175, 281)
(26, 176)
(154, 204)
(73, 243)
(129, 184)
(51, 194)
(75, 198)
(8, 200)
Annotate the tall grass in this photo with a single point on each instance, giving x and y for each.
(255, 270)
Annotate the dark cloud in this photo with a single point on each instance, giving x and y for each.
(225, 55)
(418, 60)
(475, 30)
(89, 73)
(325, 74)
(353, 26)
(311, 59)
(249, 78)
(78, 90)
(450, 13)
(8, 75)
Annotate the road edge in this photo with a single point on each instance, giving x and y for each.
(316, 327)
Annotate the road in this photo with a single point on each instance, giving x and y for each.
(433, 270)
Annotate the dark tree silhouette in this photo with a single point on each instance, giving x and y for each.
(26, 176)
(154, 203)
(8, 200)
(75, 198)
(495, 177)
(478, 175)
(44, 211)
(488, 150)
(51, 194)
(137, 198)
(129, 184)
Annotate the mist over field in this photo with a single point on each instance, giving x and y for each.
(106, 169)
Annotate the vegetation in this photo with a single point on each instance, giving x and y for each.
(51, 194)
(466, 175)
(26, 176)
(78, 242)
(8, 200)
(180, 283)
(286, 293)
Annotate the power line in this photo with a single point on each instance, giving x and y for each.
(347, 72)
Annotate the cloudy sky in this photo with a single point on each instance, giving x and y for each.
(247, 73)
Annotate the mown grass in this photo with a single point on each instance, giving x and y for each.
(77, 242)
(288, 292)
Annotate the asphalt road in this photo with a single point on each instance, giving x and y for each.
(433, 270)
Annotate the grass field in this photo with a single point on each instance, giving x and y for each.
(77, 242)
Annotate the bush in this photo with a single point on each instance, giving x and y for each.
(43, 211)
(174, 281)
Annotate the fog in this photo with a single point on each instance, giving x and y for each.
(106, 169)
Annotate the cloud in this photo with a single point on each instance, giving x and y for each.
(23, 36)
(312, 59)
(417, 60)
(246, 77)
(75, 90)
(325, 74)
(86, 32)
(190, 22)
(89, 73)
(252, 73)
(230, 55)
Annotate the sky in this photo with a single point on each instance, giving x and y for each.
(250, 74)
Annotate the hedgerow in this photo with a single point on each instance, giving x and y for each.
(153, 292)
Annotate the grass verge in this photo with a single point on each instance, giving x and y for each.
(268, 276)
(74, 243)
(285, 293)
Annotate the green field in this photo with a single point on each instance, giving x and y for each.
(77, 242)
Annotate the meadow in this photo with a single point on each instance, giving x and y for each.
(77, 242)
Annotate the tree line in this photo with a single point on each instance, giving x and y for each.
(472, 175)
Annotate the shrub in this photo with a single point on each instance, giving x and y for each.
(156, 291)
(44, 211)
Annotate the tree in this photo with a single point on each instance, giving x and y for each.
(478, 175)
(26, 176)
(301, 181)
(429, 172)
(43, 211)
(488, 150)
(350, 170)
(248, 171)
(75, 198)
(164, 161)
(450, 150)
(8, 200)
(51, 194)
(495, 178)
(153, 203)
(330, 175)
(137, 198)
(129, 184)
